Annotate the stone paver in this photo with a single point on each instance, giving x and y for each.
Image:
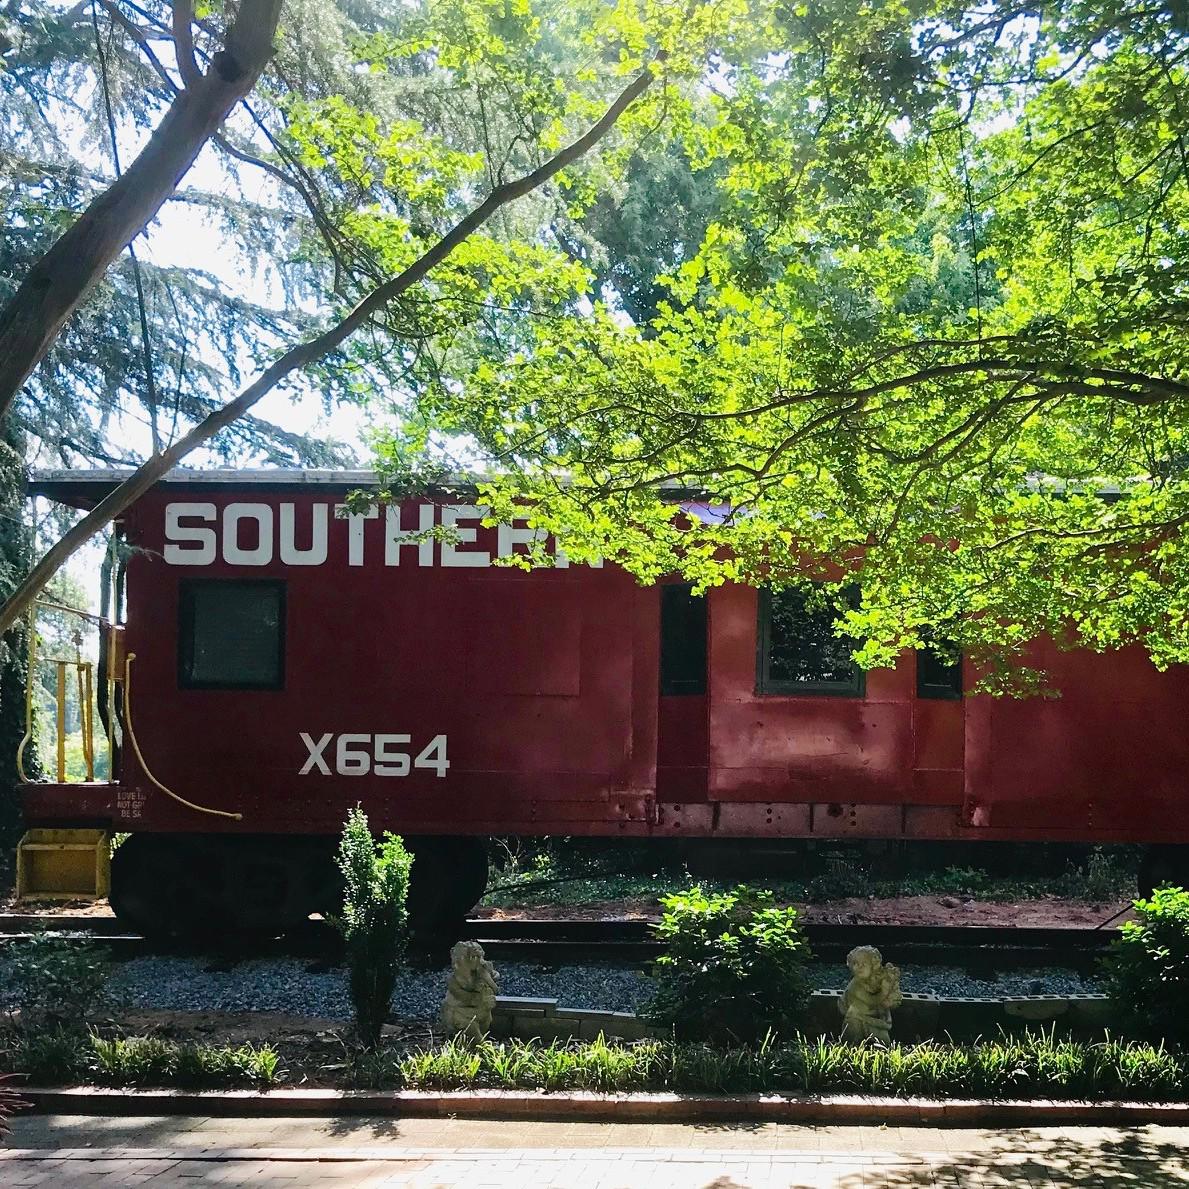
(175, 1152)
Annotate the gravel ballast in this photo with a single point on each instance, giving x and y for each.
(293, 986)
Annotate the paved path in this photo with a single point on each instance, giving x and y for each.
(72, 1150)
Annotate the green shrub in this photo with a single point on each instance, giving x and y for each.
(57, 981)
(10, 1102)
(50, 1056)
(734, 966)
(1147, 969)
(60, 1056)
(374, 920)
(1035, 1065)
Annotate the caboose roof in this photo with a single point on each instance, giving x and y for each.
(85, 488)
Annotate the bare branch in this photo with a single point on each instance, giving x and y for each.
(183, 42)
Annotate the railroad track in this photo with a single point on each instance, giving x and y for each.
(973, 947)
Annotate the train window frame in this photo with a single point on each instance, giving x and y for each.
(949, 688)
(687, 650)
(855, 686)
(185, 657)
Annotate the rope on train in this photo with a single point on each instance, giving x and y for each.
(140, 755)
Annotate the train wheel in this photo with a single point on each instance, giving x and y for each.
(1163, 865)
(219, 885)
(153, 886)
(448, 879)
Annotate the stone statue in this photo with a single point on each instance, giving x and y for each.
(870, 996)
(470, 993)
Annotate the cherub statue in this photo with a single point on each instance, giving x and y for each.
(870, 996)
(470, 993)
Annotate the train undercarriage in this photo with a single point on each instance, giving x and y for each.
(214, 885)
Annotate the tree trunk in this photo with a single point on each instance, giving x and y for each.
(304, 354)
(59, 282)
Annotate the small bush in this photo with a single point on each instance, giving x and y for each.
(10, 1102)
(57, 981)
(374, 920)
(57, 1057)
(734, 966)
(51, 1056)
(1035, 1065)
(1147, 969)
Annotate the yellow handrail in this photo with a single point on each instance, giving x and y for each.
(29, 678)
(140, 756)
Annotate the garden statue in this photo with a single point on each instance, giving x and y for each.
(470, 993)
(874, 989)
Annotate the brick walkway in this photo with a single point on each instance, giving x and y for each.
(69, 1150)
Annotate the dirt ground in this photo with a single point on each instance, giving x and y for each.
(899, 910)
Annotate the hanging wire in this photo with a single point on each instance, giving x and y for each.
(146, 345)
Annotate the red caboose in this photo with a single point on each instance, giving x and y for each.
(283, 659)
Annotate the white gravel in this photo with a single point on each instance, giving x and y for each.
(295, 986)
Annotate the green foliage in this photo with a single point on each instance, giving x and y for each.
(734, 966)
(556, 872)
(10, 1102)
(1148, 966)
(57, 981)
(150, 1060)
(374, 919)
(1036, 1065)
(55, 1056)
(935, 312)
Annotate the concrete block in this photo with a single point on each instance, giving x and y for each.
(522, 1005)
(1092, 1012)
(628, 1026)
(969, 1017)
(1036, 1007)
(594, 1023)
(917, 1017)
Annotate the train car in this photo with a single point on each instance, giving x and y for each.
(281, 658)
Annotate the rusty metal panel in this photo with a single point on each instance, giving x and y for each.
(758, 820)
(837, 820)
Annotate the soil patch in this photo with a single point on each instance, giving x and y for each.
(1046, 912)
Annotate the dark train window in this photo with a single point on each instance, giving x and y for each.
(231, 634)
(798, 650)
(683, 640)
(939, 671)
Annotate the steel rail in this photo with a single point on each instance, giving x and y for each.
(554, 941)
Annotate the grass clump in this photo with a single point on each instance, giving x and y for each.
(1147, 969)
(734, 966)
(1036, 1065)
(374, 920)
(57, 981)
(62, 1056)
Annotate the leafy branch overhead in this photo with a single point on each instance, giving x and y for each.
(639, 58)
(899, 286)
(934, 331)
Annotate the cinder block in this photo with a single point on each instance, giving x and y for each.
(518, 1005)
(1093, 1012)
(628, 1026)
(1036, 1007)
(969, 1017)
(917, 1017)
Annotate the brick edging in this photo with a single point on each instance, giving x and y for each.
(600, 1108)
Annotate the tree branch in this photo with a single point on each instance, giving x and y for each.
(183, 43)
(55, 287)
(304, 354)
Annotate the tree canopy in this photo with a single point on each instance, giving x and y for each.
(934, 333)
(892, 292)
